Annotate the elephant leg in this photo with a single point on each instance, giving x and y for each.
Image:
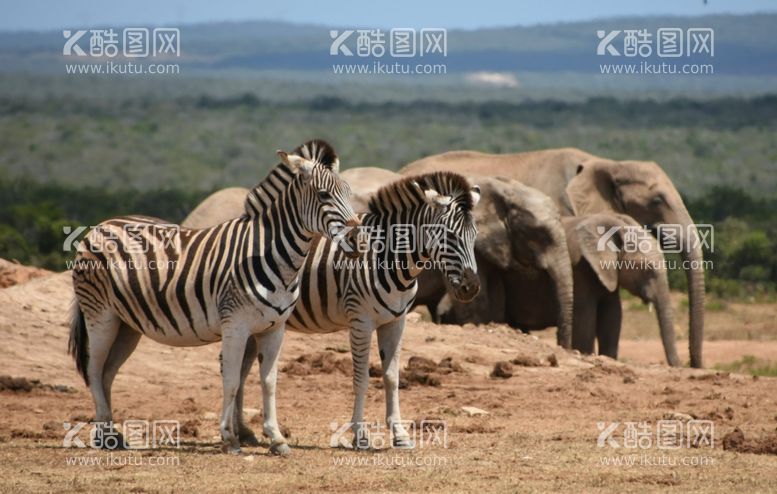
(584, 326)
(608, 327)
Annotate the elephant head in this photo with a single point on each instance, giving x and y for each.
(520, 230)
(643, 191)
(635, 263)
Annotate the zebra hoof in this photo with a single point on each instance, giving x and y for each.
(361, 444)
(280, 449)
(403, 443)
(109, 440)
(247, 438)
(230, 449)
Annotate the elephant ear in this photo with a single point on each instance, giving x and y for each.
(600, 243)
(493, 241)
(594, 188)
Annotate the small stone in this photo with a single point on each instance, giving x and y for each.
(527, 361)
(677, 416)
(471, 411)
(249, 458)
(209, 416)
(503, 370)
(250, 413)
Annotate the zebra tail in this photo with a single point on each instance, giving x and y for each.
(78, 345)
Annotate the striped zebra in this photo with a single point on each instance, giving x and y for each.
(186, 287)
(375, 291)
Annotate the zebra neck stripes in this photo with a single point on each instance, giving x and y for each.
(397, 267)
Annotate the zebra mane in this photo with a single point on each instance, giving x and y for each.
(265, 192)
(319, 152)
(398, 195)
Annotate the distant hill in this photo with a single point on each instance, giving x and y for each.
(744, 45)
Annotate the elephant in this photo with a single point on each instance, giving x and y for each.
(219, 207)
(364, 181)
(520, 235)
(229, 203)
(599, 271)
(581, 183)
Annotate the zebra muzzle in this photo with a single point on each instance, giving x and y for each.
(351, 244)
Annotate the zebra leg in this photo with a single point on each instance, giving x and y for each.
(125, 343)
(102, 331)
(269, 349)
(390, 344)
(232, 350)
(245, 434)
(360, 352)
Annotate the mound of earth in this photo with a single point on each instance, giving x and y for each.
(12, 273)
(318, 363)
(736, 441)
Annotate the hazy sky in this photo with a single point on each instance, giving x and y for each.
(58, 14)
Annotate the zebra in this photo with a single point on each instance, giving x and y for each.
(137, 276)
(375, 291)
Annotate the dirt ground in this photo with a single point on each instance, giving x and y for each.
(534, 431)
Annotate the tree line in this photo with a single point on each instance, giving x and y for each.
(33, 217)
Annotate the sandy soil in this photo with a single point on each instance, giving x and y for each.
(539, 431)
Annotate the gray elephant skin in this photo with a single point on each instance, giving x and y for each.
(598, 273)
(581, 183)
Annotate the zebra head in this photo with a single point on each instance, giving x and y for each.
(324, 199)
(450, 235)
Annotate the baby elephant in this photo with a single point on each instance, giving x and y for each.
(608, 252)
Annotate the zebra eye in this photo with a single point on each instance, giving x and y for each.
(324, 195)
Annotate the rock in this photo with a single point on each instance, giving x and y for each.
(449, 365)
(419, 377)
(413, 317)
(764, 445)
(472, 411)
(677, 416)
(250, 413)
(734, 440)
(527, 361)
(337, 349)
(210, 416)
(421, 364)
(375, 371)
(318, 363)
(553, 360)
(503, 370)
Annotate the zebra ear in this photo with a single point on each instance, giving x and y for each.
(435, 199)
(298, 164)
(475, 193)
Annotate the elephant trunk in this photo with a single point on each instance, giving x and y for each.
(561, 274)
(663, 304)
(692, 255)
